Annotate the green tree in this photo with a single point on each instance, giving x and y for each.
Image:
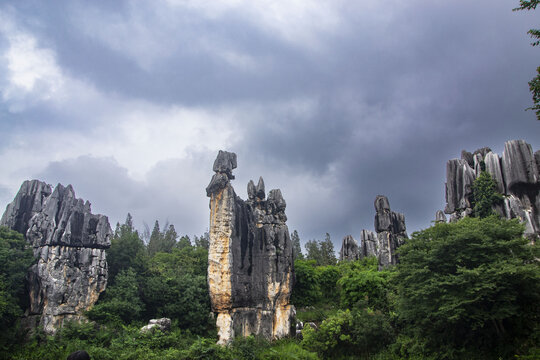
(15, 259)
(176, 287)
(156, 240)
(297, 249)
(313, 251)
(127, 251)
(484, 195)
(122, 302)
(321, 251)
(534, 84)
(354, 334)
(306, 289)
(328, 256)
(365, 285)
(203, 240)
(468, 289)
(183, 242)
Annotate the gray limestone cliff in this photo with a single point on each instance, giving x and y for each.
(516, 173)
(349, 249)
(390, 233)
(250, 261)
(69, 245)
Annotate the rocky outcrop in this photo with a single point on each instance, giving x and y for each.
(163, 324)
(349, 249)
(440, 217)
(516, 173)
(250, 260)
(390, 234)
(69, 245)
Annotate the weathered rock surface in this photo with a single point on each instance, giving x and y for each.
(69, 244)
(163, 324)
(349, 249)
(440, 217)
(390, 234)
(250, 261)
(517, 174)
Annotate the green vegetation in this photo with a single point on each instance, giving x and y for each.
(15, 258)
(534, 84)
(464, 290)
(485, 195)
(468, 290)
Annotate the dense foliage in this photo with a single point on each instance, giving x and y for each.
(465, 290)
(468, 289)
(15, 258)
(485, 195)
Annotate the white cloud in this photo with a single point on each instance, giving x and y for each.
(31, 72)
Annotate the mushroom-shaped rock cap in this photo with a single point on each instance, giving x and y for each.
(381, 203)
(225, 162)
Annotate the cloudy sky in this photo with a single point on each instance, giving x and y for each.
(334, 102)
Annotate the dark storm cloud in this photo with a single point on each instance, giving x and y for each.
(376, 105)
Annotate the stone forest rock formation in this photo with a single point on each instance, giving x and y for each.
(390, 234)
(69, 244)
(516, 173)
(250, 260)
(349, 249)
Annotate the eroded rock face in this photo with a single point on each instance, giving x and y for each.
(69, 244)
(250, 261)
(517, 175)
(349, 249)
(390, 234)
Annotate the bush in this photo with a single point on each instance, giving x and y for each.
(348, 333)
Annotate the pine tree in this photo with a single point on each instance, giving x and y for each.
(328, 256)
(297, 249)
(155, 243)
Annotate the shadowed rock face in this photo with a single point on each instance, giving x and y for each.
(349, 249)
(69, 244)
(250, 262)
(390, 234)
(516, 173)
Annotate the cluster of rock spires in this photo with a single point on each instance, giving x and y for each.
(250, 261)
(69, 245)
(517, 174)
(390, 234)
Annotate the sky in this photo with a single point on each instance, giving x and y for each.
(333, 102)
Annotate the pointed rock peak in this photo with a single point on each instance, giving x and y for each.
(260, 189)
(251, 190)
(225, 163)
(482, 151)
(468, 157)
(381, 203)
(275, 197)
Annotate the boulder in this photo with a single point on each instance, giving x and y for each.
(163, 324)
(440, 217)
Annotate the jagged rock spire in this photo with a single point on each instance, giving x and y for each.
(250, 261)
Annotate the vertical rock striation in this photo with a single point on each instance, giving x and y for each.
(516, 173)
(390, 234)
(250, 261)
(349, 249)
(69, 244)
